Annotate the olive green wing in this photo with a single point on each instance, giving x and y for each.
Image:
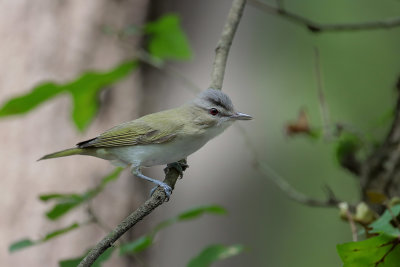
(155, 128)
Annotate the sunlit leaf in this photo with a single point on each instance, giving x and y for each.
(214, 253)
(383, 224)
(136, 246)
(24, 103)
(167, 39)
(85, 91)
(379, 251)
(20, 245)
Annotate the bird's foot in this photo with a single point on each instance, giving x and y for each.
(167, 190)
(180, 166)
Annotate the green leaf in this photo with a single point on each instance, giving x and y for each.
(85, 91)
(376, 251)
(167, 39)
(22, 104)
(146, 241)
(136, 246)
(27, 242)
(62, 208)
(60, 232)
(20, 245)
(214, 253)
(196, 212)
(61, 197)
(383, 225)
(70, 262)
(348, 145)
(190, 215)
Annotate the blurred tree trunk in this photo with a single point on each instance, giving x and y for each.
(57, 40)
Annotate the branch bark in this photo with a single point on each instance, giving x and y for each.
(224, 43)
(319, 27)
(172, 174)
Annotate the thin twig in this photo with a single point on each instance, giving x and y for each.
(319, 27)
(266, 171)
(352, 225)
(224, 43)
(321, 96)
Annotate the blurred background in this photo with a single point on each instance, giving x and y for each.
(270, 75)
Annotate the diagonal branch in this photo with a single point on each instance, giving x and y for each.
(319, 27)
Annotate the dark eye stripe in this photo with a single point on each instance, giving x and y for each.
(217, 102)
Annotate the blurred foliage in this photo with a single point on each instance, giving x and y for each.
(98, 263)
(24, 243)
(146, 241)
(215, 253)
(84, 91)
(167, 41)
(66, 202)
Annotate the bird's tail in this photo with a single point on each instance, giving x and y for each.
(64, 153)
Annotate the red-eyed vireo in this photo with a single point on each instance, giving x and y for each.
(163, 137)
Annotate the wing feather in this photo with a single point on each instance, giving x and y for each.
(155, 128)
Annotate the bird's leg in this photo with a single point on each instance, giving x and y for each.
(167, 189)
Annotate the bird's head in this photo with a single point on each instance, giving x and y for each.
(217, 108)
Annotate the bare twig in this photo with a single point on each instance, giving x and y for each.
(318, 27)
(268, 172)
(293, 193)
(352, 225)
(321, 96)
(224, 43)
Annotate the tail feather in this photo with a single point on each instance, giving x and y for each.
(64, 153)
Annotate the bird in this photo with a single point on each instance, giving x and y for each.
(163, 137)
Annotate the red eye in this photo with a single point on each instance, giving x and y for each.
(213, 111)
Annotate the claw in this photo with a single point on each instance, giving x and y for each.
(167, 190)
(180, 166)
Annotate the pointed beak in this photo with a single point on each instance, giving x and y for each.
(241, 116)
